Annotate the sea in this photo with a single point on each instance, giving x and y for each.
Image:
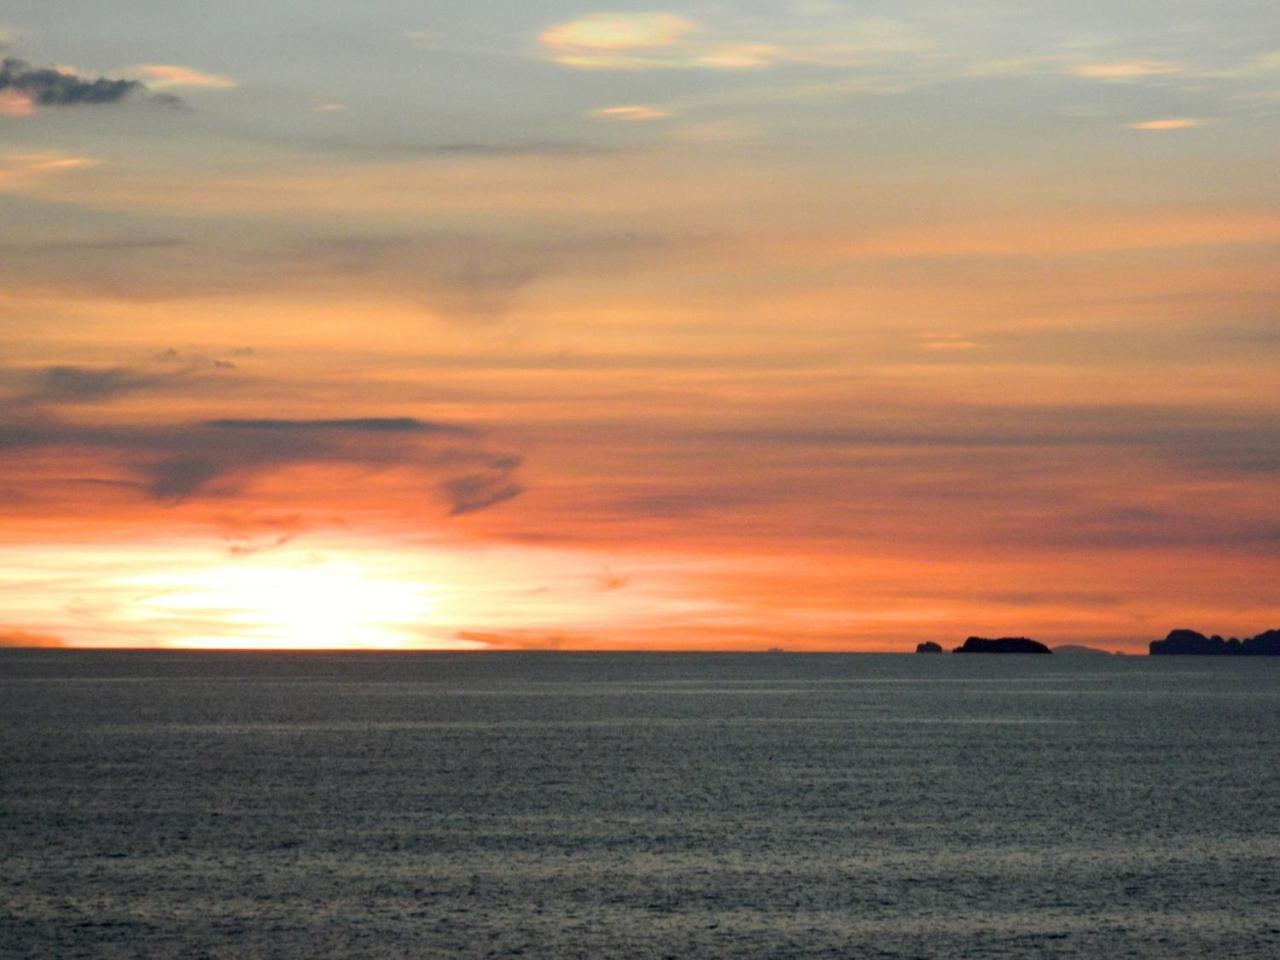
(548, 805)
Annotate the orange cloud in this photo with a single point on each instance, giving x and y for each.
(23, 638)
(14, 103)
(17, 170)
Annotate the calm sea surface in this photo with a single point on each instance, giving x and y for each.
(559, 805)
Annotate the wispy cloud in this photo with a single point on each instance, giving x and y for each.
(354, 425)
(632, 112)
(67, 384)
(17, 170)
(646, 41)
(166, 76)
(487, 487)
(1126, 70)
(1172, 123)
(181, 461)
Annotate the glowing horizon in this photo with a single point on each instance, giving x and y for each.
(674, 328)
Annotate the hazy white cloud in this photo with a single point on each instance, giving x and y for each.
(1258, 66)
(726, 130)
(17, 170)
(1015, 65)
(165, 76)
(842, 43)
(741, 56)
(1265, 63)
(1127, 70)
(635, 112)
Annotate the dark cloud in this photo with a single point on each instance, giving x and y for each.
(1136, 528)
(381, 149)
(177, 478)
(484, 488)
(1038, 598)
(69, 384)
(79, 247)
(358, 424)
(545, 148)
(50, 87)
(176, 462)
(216, 458)
(458, 275)
(82, 384)
(1230, 441)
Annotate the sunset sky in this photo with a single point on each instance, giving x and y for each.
(727, 325)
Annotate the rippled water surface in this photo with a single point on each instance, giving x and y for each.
(557, 805)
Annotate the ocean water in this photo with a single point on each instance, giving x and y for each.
(560, 805)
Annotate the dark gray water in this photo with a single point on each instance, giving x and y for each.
(557, 805)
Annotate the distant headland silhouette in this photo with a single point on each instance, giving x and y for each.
(1177, 643)
(1191, 643)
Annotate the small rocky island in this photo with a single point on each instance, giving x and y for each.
(1191, 643)
(928, 647)
(1002, 645)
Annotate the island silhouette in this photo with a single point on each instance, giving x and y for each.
(1180, 642)
(1192, 643)
(1002, 645)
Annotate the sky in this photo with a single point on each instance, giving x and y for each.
(727, 325)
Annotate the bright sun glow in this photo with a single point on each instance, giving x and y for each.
(329, 606)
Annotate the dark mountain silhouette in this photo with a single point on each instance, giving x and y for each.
(1002, 645)
(928, 647)
(1191, 643)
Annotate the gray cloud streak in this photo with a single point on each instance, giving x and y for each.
(215, 458)
(357, 424)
